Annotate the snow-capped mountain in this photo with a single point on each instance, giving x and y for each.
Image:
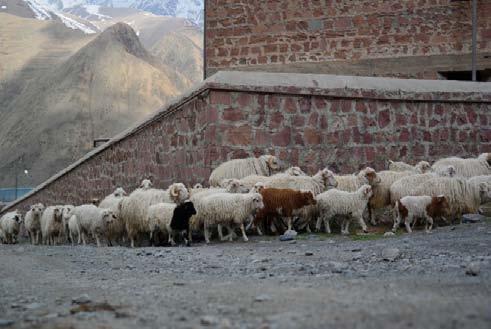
(189, 9)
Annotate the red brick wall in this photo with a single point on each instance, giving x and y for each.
(344, 133)
(244, 33)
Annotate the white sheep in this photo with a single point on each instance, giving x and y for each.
(52, 226)
(32, 222)
(197, 221)
(406, 185)
(421, 167)
(74, 229)
(116, 230)
(265, 165)
(409, 208)
(351, 183)
(350, 205)
(251, 180)
(229, 210)
(93, 221)
(146, 184)
(467, 168)
(159, 217)
(476, 180)
(134, 207)
(462, 196)
(10, 227)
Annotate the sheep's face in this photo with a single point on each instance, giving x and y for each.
(308, 198)
(225, 182)
(295, 171)
(366, 190)
(146, 184)
(18, 218)
(58, 214)
(257, 201)
(178, 192)
(119, 192)
(423, 167)
(484, 193)
(329, 179)
(235, 186)
(273, 163)
(258, 187)
(67, 212)
(37, 209)
(371, 176)
(450, 171)
(108, 216)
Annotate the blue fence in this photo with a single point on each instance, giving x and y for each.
(8, 194)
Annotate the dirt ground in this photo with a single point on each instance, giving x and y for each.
(405, 281)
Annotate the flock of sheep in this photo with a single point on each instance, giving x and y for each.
(253, 194)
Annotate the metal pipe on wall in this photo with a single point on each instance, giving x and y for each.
(474, 39)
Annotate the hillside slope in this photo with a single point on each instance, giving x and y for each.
(102, 89)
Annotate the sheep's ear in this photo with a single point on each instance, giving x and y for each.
(390, 162)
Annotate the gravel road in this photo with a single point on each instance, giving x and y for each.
(438, 280)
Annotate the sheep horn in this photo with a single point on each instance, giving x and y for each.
(173, 191)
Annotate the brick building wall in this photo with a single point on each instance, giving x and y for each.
(345, 36)
(308, 120)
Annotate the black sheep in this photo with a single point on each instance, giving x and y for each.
(180, 219)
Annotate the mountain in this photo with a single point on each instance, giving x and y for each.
(100, 90)
(191, 10)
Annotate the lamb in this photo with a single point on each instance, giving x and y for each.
(265, 165)
(92, 220)
(409, 208)
(381, 191)
(462, 196)
(116, 230)
(52, 226)
(170, 219)
(32, 222)
(229, 210)
(251, 180)
(467, 168)
(348, 204)
(10, 227)
(146, 184)
(421, 167)
(351, 183)
(406, 185)
(281, 203)
(133, 209)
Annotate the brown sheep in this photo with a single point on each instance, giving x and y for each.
(281, 203)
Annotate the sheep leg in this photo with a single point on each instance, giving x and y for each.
(408, 225)
(362, 224)
(371, 216)
(289, 223)
(397, 222)
(207, 233)
(184, 234)
(259, 230)
(429, 224)
(151, 239)
(244, 236)
(83, 238)
(220, 232)
(345, 226)
(273, 227)
(171, 239)
(327, 227)
(97, 240)
(318, 224)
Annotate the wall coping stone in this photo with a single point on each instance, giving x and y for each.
(300, 84)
